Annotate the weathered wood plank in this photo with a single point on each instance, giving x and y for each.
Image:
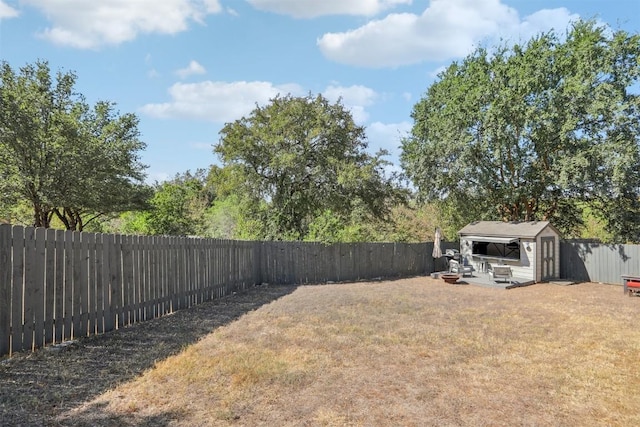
(179, 270)
(153, 275)
(100, 283)
(5, 288)
(116, 281)
(91, 287)
(165, 295)
(107, 305)
(38, 283)
(50, 285)
(135, 280)
(144, 284)
(157, 275)
(127, 279)
(32, 289)
(17, 294)
(162, 278)
(67, 306)
(215, 261)
(58, 319)
(205, 265)
(83, 285)
(80, 286)
(190, 273)
(171, 273)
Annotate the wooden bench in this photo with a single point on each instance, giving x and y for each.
(500, 272)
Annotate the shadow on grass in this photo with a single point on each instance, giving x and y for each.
(95, 417)
(38, 388)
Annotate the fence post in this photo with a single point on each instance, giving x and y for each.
(5, 288)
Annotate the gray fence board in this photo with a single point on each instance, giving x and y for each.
(17, 290)
(67, 314)
(84, 285)
(5, 288)
(100, 282)
(32, 288)
(78, 283)
(58, 310)
(39, 288)
(49, 285)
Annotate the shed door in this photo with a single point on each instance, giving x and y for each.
(548, 257)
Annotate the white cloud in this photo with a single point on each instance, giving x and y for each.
(315, 8)
(387, 136)
(7, 11)
(355, 98)
(446, 29)
(544, 20)
(193, 68)
(90, 24)
(223, 102)
(434, 73)
(219, 102)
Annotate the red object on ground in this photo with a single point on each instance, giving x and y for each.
(450, 278)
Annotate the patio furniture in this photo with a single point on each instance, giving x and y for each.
(456, 267)
(631, 284)
(500, 272)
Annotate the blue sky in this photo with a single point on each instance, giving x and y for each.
(186, 67)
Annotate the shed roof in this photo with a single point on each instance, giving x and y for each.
(529, 229)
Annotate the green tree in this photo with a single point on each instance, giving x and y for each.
(64, 157)
(535, 132)
(177, 207)
(298, 157)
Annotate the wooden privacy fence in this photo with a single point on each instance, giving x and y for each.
(306, 262)
(598, 262)
(58, 285)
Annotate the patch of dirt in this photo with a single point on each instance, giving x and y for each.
(37, 387)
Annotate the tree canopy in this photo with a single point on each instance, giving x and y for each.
(298, 159)
(535, 131)
(66, 158)
(177, 207)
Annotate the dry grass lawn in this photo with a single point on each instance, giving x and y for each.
(412, 352)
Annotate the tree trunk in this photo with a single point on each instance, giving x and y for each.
(41, 216)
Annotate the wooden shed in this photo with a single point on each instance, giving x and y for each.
(531, 249)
